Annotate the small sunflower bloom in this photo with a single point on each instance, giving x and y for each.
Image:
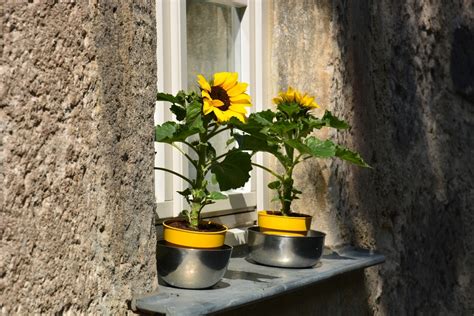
(224, 96)
(294, 96)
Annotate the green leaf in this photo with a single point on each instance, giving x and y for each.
(314, 123)
(319, 148)
(250, 142)
(296, 144)
(210, 152)
(198, 194)
(213, 179)
(234, 171)
(194, 117)
(197, 125)
(296, 191)
(351, 156)
(185, 193)
(217, 196)
(182, 96)
(235, 122)
(333, 121)
(289, 108)
(184, 132)
(178, 111)
(193, 110)
(282, 127)
(171, 132)
(275, 185)
(165, 131)
(166, 97)
(263, 118)
(230, 141)
(184, 213)
(255, 122)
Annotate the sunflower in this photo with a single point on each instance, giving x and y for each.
(294, 96)
(225, 97)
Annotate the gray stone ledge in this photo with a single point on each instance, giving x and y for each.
(245, 283)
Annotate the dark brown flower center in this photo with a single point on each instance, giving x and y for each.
(219, 93)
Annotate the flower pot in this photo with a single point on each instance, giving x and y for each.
(192, 259)
(285, 251)
(273, 223)
(192, 238)
(191, 268)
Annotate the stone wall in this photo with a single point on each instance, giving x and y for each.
(78, 83)
(76, 107)
(401, 72)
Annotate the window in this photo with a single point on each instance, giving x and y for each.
(207, 36)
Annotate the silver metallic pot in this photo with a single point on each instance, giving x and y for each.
(285, 251)
(191, 268)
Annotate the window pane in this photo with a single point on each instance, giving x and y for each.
(212, 32)
(213, 45)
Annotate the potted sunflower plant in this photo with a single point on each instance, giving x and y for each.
(190, 241)
(287, 135)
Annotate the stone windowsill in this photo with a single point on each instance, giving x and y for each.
(245, 282)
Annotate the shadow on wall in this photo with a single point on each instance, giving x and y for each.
(302, 57)
(399, 62)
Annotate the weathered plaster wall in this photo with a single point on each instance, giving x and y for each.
(77, 95)
(401, 72)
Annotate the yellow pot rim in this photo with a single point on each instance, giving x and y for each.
(192, 238)
(271, 222)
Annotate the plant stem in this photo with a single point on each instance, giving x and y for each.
(176, 174)
(194, 216)
(191, 160)
(190, 146)
(286, 194)
(199, 198)
(214, 132)
(268, 170)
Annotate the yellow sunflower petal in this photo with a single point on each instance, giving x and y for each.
(291, 95)
(277, 100)
(220, 78)
(241, 98)
(203, 83)
(284, 97)
(314, 105)
(231, 81)
(205, 94)
(216, 103)
(239, 108)
(239, 116)
(206, 108)
(237, 89)
(298, 97)
(306, 100)
(220, 115)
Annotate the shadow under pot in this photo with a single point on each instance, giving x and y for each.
(192, 259)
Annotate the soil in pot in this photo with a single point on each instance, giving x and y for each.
(203, 226)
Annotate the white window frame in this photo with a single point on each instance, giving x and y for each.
(172, 77)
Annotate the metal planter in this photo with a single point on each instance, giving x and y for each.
(191, 268)
(285, 251)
